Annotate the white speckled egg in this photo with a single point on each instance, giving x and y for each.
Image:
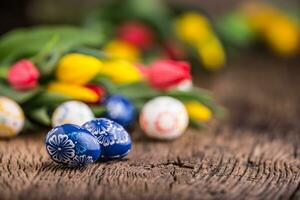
(11, 118)
(72, 112)
(164, 118)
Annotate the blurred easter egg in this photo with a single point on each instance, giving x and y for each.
(72, 146)
(164, 118)
(114, 140)
(120, 110)
(72, 112)
(11, 118)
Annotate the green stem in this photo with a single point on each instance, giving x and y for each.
(48, 47)
(3, 72)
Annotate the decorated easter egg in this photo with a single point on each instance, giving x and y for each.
(114, 140)
(72, 146)
(164, 118)
(120, 110)
(72, 112)
(11, 118)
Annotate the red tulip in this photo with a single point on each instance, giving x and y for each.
(23, 75)
(97, 89)
(168, 74)
(136, 33)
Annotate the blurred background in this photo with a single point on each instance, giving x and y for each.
(22, 13)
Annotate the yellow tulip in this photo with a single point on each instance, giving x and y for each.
(198, 111)
(121, 71)
(76, 92)
(259, 14)
(212, 54)
(279, 31)
(122, 50)
(77, 68)
(192, 28)
(282, 35)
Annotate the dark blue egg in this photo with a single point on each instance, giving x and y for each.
(72, 146)
(114, 140)
(120, 110)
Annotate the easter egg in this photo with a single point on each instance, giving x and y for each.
(72, 146)
(120, 110)
(11, 118)
(114, 140)
(72, 112)
(164, 118)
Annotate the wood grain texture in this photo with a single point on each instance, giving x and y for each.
(253, 154)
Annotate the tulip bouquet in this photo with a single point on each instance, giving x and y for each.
(149, 30)
(64, 63)
(124, 56)
(254, 22)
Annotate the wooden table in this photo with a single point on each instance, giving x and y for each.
(254, 153)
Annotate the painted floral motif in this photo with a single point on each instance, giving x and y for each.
(106, 139)
(61, 148)
(79, 161)
(107, 132)
(51, 132)
(80, 147)
(98, 127)
(120, 134)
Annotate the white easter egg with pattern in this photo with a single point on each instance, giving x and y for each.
(164, 118)
(11, 118)
(72, 112)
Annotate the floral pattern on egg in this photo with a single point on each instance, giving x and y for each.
(72, 146)
(114, 140)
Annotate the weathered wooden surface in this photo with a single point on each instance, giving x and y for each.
(254, 154)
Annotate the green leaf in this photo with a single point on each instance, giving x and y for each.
(139, 93)
(29, 41)
(235, 30)
(193, 94)
(3, 72)
(18, 96)
(46, 50)
(98, 110)
(28, 125)
(47, 66)
(92, 52)
(200, 95)
(49, 99)
(105, 82)
(195, 124)
(138, 90)
(139, 103)
(40, 115)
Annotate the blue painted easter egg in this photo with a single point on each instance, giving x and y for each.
(120, 110)
(114, 140)
(72, 145)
